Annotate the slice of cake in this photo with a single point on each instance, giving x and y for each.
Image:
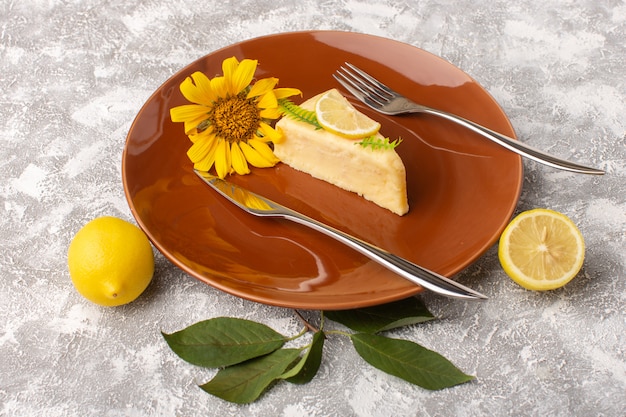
(375, 173)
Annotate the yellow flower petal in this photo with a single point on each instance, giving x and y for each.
(219, 86)
(200, 148)
(269, 133)
(191, 126)
(279, 137)
(242, 77)
(286, 92)
(205, 134)
(254, 157)
(240, 165)
(203, 85)
(197, 89)
(273, 113)
(188, 112)
(222, 159)
(189, 90)
(192, 115)
(209, 159)
(262, 86)
(264, 150)
(268, 101)
(229, 65)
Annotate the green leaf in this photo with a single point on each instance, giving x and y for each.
(383, 317)
(409, 361)
(223, 341)
(295, 112)
(307, 367)
(376, 142)
(245, 382)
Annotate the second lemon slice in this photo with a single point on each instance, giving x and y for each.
(335, 114)
(541, 249)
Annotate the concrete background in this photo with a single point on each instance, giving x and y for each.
(73, 75)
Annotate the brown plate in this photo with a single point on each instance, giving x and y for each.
(462, 188)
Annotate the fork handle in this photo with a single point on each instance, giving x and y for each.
(509, 143)
(414, 273)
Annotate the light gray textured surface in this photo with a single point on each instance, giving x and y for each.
(73, 75)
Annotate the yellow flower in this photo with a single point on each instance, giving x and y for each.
(229, 122)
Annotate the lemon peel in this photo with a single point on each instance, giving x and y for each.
(110, 261)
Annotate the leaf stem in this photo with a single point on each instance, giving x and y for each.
(304, 331)
(339, 332)
(308, 325)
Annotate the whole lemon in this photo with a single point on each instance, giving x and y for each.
(110, 261)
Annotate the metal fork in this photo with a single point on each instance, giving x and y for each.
(386, 101)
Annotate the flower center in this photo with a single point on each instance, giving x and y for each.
(235, 118)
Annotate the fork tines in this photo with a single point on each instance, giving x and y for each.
(363, 86)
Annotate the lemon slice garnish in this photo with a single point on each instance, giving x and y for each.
(335, 114)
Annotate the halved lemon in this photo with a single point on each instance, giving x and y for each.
(335, 114)
(541, 249)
